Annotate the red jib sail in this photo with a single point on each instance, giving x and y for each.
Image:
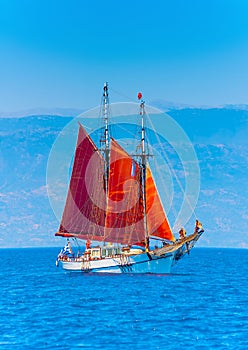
(157, 223)
(124, 216)
(84, 213)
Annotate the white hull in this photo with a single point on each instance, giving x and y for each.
(158, 261)
(142, 263)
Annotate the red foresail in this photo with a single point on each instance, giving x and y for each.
(84, 213)
(157, 223)
(124, 216)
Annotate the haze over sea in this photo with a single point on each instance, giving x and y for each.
(201, 305)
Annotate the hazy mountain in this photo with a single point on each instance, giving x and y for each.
(26, 218)
(220, 139)
(62, 112)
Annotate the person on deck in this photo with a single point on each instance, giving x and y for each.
(198, 226)
(182, 233)
(88, 243)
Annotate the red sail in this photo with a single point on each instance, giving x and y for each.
(84, 213)
(157, 222)
(124, 217)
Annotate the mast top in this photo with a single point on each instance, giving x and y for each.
(105, 89)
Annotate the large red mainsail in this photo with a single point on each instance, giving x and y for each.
(84, 213)
(124, 216)
(118, 217)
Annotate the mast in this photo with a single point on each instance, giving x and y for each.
(143, 165)
(106, 149)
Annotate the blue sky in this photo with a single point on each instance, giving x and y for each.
(59, 53)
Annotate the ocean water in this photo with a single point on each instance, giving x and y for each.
(203, 304)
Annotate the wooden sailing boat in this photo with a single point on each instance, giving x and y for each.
(113, 202)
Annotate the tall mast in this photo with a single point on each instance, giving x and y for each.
(105, 114)
(106, 149)
(143, 165)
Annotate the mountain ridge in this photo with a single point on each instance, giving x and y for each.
(162, 104)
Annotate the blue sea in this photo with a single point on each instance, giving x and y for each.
(203, 304)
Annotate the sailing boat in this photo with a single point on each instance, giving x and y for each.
(114, 206)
